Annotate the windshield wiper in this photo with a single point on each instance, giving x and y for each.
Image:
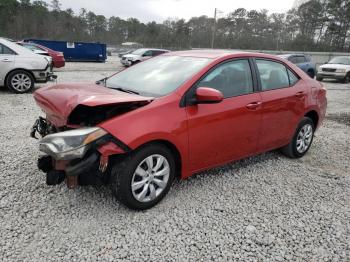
(126, 90)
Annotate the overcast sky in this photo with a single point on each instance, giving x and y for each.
(159, 10)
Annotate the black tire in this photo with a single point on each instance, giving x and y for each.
(346, 78)
(318, 78)
(136, 62)
(311, 73)
(123, 171)
(16, 74)
(291, 150)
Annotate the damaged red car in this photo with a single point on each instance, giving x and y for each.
(172, 116)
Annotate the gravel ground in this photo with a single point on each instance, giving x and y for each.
(265, 208)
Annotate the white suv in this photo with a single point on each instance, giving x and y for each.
(337, 68)
(140, 55)
(20, 68)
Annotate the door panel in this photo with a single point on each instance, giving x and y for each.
(283, 103)
(222, 132)
(6, 64)
(281, 111)
(228, 130)
(7, 60)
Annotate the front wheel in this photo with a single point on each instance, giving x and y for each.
(302, 139)
(135, 63)
(346, 78)
(318, 78)
(311, 73)
(141, 180)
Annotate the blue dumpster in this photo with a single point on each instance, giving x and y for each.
(76, 51)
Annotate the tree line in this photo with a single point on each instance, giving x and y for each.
(317, 25)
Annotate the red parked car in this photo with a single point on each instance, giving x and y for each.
(172, 116)
(57, 57)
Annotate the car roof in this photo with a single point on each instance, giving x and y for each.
(218, 53)
(289, 55)
(153, 49)
(17, 48)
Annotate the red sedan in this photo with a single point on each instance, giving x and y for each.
(175, 115)
(57, 57)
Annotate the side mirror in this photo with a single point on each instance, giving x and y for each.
(207, 95)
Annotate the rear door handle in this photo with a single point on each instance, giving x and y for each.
(254, 105)
(300, 94)
(6, 60)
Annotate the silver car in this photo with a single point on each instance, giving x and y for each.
(20, 68)
(140, 55)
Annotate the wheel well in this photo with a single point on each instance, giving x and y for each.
(18, 69)
(175, 152)
(313, 116)
(310, 70)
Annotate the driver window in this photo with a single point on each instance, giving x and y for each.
(233, 78)
(147, 53)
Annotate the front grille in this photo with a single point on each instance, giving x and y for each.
(329, 70)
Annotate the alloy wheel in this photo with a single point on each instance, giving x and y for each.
(304, 138)
(21, 82)
(150, 178)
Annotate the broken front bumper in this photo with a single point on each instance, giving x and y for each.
(88, 169)
(43, 76)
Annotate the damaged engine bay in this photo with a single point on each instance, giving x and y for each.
(94, 165)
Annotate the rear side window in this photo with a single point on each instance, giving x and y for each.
(273, 75)
(4, 50)
(232, 78)
(301, 59)
(157, 52)
(293, 59)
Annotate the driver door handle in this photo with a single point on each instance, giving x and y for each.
(254, 105)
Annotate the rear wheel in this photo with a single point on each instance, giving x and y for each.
(142, 179)
(20, 81)
(302, 139)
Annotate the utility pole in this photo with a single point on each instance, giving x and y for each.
(214, 30)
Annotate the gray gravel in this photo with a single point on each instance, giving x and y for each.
(265, 208)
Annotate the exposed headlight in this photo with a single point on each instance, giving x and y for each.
(341, 71)
(70, 144)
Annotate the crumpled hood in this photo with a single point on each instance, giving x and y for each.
(59, 101)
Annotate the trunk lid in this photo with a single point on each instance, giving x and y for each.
(59, 101)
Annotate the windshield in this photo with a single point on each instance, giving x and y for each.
(139, 52)
(340, 60)
(158, 76)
